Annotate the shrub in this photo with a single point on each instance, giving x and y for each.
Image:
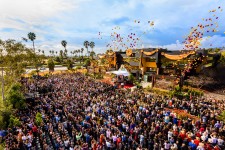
(4, 118)
(69, 64)
(177, 89)
(38, 119)
(51, 65)
(34, 72)
(98, 76)
(159, 91)
(14, 121)
(16, 97)
(78, 67)
(131, 78)
(87, 62)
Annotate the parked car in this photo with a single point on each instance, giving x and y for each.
(42, 68)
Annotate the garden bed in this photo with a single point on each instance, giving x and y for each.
(182, 114)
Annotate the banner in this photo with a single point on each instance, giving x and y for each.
(178, 57)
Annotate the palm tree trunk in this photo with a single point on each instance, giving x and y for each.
(3, 97)
(82, 57)
(33, 46)
(87, 52)
(92, 54)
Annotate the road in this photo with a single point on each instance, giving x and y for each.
(57, 68)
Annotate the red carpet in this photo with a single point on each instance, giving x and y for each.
(128, 86)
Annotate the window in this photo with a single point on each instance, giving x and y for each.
(149, 59)
(149, 69)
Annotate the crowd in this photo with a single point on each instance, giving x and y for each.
(80, 113)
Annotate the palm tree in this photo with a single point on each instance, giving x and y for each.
(82, 50)
(86, 44)
(32, 37)
(64, 43)
(92, 45)
(43, 52)
(39, 50)
(50, 52)
(78, 52)
(61, 53)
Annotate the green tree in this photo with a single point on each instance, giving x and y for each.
(64, 44)
(32, 37)
(92, 45)
(69, 64)
(82, 50)
(217, 50)
(86, 44)
(36, 61)
(78, 51)
(131, 78)
(57, 59)
(222, 116)
(222, 58)
(14, 121)
(51, 65)
(4, 118)
(14, 58)
(92, 54)
(61, 55)
(87, 62)
(15, 96)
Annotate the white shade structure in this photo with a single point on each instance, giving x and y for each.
(122, 71)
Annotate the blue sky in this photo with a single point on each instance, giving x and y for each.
(77, 20)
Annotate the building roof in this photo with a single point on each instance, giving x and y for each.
(132, 63)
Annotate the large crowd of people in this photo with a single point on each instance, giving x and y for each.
(80, 113)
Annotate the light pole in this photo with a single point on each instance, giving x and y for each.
(3, 97)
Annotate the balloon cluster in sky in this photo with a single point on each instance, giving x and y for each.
(208, 25)
(119, 40)
(126, 41)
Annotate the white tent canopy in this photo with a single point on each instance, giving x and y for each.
(122, 71)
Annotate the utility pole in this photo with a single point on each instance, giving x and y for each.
(3, 97)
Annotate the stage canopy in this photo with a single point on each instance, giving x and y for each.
(122, 71)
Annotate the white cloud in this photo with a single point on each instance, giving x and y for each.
(77, 20)
(23, 14)
(214, 41)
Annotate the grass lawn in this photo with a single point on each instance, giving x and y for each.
(1, 147)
